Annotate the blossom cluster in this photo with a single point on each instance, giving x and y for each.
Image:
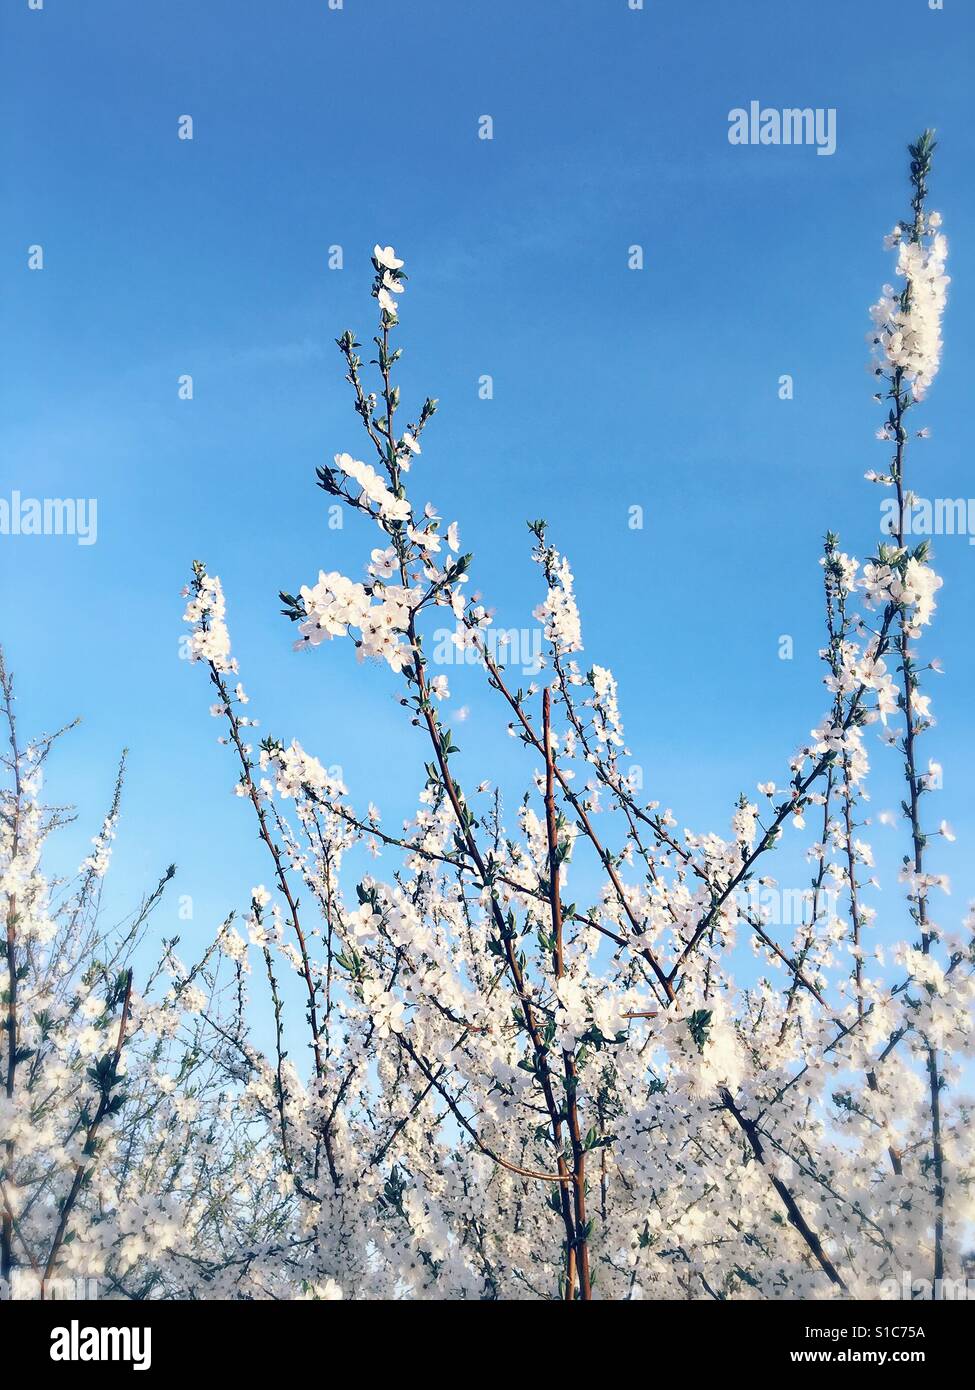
(463, 983)
(207, 611)
(907, 324)
(335, 604)
(906, 582)
(569, 1052)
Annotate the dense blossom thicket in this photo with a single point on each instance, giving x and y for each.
(507, 1093)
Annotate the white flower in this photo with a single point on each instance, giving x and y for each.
(90, 1041)
(385, 1009)
(386, 257)
(387, 303)
(383, 564)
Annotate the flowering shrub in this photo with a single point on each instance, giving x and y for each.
(122, 1148)
(510, 1094)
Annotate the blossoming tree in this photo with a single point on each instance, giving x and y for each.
(508, 1093)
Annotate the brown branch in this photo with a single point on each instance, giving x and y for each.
(568, 1059)
(750, 1129)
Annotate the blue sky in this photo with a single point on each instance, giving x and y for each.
(612, 387)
